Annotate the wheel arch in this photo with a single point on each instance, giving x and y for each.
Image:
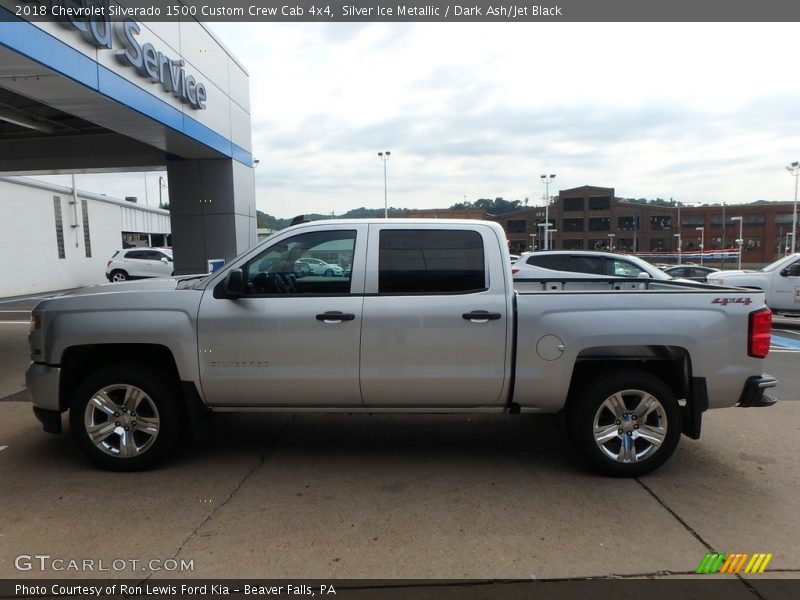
(670, 364)
(78, 362)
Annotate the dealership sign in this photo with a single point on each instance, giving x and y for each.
(93, 20)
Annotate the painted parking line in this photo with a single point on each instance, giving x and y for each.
(25, 322)
(3, 448)
(784, 342)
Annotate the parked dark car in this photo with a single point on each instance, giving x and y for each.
(693, 272)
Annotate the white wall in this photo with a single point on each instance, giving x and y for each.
(28, 242)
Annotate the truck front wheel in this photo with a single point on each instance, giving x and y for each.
(125, 417)
(625, 424)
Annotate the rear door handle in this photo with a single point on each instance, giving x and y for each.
(481, 316)
(334, 316)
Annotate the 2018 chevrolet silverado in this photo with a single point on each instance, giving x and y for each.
(425, 319)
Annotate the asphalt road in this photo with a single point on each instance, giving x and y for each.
(358, 496)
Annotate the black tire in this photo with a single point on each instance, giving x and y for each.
(135, 412)
(328, 272)
(625, 424)
(119, 275)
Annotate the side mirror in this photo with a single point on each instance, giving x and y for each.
(643, 275)
(791, 271)
(234, 284)
(164, 260)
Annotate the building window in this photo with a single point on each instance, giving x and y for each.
(660, 223)
(573, 224)
(625, 244)
(87, 241)
(600, 224)
(573, 244)
(692, 220)
(599, 203)
(573, 204)
(517, 247)
(752, 242)
(753, 220)
(783, 218)
(626, 223)
(430, 262)
(596, 244)
(516, 226)
(59, 226)
(658, 245)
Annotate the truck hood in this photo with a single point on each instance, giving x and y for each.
(167, 293)
(726, 274)
(141, 285)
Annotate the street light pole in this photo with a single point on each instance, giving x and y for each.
(794, 169)
(550, 236)
(533, 238)
(546, 181)
(740, 240)
(384, 156)
(702, 231)
(611, 242)
(678, 235)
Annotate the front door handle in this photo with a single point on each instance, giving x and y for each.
(334, 316)
(481, 316)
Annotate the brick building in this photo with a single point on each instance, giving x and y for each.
(592, 218)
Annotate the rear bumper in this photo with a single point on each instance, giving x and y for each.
(753, 394)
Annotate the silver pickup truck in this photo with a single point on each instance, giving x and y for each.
(422, 317)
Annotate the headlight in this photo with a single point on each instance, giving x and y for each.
(36, 322)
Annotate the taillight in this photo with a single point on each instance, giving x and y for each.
(758, 334)
(514, 271)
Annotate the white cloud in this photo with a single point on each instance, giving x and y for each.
(697, 112)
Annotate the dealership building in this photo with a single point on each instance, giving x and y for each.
(56, 237)
(121, 95)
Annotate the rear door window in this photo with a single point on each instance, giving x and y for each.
(431, 262)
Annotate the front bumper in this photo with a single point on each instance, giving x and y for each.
(753, 394)
(42, 382)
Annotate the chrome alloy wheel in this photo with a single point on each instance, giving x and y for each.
(121, 420)
(630, 426)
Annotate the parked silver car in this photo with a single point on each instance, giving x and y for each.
(138, 263)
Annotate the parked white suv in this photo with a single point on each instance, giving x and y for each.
(320, 267)
(577, 264)
(137, 263)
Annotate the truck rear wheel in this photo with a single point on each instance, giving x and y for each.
(125, 417)
(625, 424)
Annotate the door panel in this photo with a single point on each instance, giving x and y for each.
(290, 341)
(417, 347)
(275, 352)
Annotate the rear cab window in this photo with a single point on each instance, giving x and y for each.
(426, 261)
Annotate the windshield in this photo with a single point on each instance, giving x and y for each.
(779, 264)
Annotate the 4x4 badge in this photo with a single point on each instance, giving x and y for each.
(725, 301)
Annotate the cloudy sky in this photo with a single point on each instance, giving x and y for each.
(695, 112)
